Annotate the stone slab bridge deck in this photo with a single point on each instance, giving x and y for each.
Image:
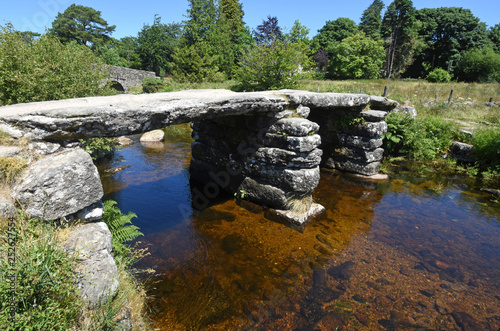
(267, 147)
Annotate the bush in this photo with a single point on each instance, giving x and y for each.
(272, 67)
(438, 75)
(418, 139)
(486, 149)
(45, 69)
(479, 65)
(152, 85)
(99, 148)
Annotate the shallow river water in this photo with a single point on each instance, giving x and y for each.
(416, 252)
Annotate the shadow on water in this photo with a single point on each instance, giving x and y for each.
(409, 253)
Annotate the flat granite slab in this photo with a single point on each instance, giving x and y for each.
(125, 114)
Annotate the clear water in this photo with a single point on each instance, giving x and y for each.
(415, 252)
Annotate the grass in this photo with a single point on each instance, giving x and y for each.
(46, 295)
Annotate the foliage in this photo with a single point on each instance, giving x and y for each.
(494, 37)
(447, 32)
(45, 69)
(371, 20)
(81, 24)
(156, 44)
(196, 64)
(333, 32)
(486, 149)
(152, 85)
(120, 231)
(275, 66)
(357, 57)
(398, 29)
(418, 139)
(479, 65)
(46, 295)
(121, 53)
(98, 148)
(268, 32)
(438, 75)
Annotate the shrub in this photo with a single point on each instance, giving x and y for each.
(99, 148)
(152, 85)
(486, 149)
(418, 139)
(438, 75)
(271, 67)
(45, 69)
(479, 65)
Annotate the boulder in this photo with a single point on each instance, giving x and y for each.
(124, 141)
(373, 115)
(97, 275)
(59, 185)
(367, 129)
(263, 194)
(153, 136)
(297, 180)
(359, 154)
(353, 166)
(462, 152)
(294, 126)
(382, 103)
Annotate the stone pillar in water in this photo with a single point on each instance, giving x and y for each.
(271, 159)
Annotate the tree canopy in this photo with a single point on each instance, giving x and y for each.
(371, 20)
(81, 24)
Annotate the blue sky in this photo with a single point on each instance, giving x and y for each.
(130, 16)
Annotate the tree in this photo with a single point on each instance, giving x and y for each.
(371, 20)
(356, 57)
(447, 32)
(232, 12)
(46, 69)
(81, 24)
(334, 32)
(268, 32)
(494, 37)
(156, 45)
(400, 35)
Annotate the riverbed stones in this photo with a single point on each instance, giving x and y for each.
(153, 136)
(59, 185)
(97, 275)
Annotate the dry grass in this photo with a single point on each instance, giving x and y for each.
(299, 203)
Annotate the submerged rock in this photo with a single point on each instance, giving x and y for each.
(153, 136)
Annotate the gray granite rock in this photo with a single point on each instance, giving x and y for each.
(382, 103)
(359, 142)
(294, 127)
(297, 180)
(373, 115)
(367, 129)
(292, 143)
(359, 154)
(9, 151)
(7, 208)
(153, 136)
(462, 152)
(353, 166)
(288, 158)
(97, 275)
(59, 185)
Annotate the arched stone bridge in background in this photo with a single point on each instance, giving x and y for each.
(122, 79)
(267, 145)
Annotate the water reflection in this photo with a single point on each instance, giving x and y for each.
(413, 252)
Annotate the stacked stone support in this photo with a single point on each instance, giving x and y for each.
(271, 159)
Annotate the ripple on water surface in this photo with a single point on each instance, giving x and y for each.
(393, 255)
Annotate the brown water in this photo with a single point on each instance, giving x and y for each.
(415, 252)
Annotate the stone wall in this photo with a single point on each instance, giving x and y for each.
(271, 159)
